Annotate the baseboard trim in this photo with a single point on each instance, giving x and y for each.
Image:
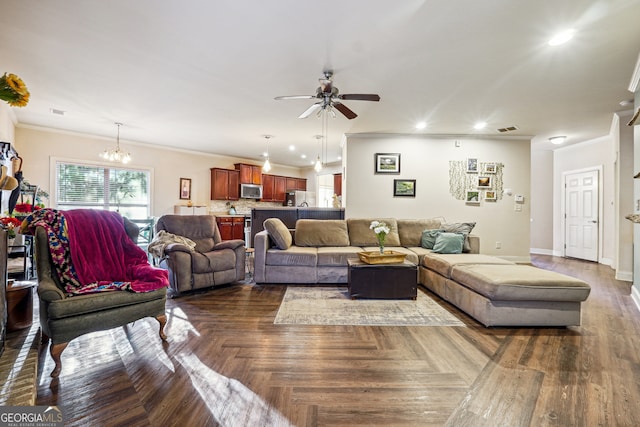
(606, 261)
(539, 251)
(635, 296)
(625, 276)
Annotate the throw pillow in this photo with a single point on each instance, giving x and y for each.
(429, 238)
(463, 228)
(278, 232)
(448, 243)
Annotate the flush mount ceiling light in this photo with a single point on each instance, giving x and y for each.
(115, 154)
(557, 140)
(267, 166)
(421, 125)
(480, 125)
(561, 37)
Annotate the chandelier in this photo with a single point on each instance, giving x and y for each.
(115, 154)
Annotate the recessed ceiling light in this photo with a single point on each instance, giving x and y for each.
(265, 154)
(480, 125)
(421, 125)
(304, 156)
(561, 37)
(557, 140)
(339, 157)
(292, 148)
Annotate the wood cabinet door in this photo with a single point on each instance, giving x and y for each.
(337, 184)
(279, 188)
(256, 175)
(238, 228)
(245, 173)
(225, 225)
(233, 187)
(291, 184)
(219, 184)
(268, 187)
(301, 184)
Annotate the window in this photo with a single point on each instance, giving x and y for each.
(86, 186)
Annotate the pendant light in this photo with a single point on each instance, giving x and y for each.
(318, 165)
(266, 167)
(115, 154)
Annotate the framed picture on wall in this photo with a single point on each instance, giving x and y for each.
(404, 188)
(484, 182)
(490, 196)
(387, 163)
(473, 197)
(185, 188)
(472, 165)
(490, 168)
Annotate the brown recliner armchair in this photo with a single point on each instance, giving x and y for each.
(213, 262)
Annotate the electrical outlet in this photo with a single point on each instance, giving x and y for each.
(498, 245)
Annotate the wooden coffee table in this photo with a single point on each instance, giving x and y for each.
(383, 281)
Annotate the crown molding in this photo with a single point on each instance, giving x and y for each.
(634, 86)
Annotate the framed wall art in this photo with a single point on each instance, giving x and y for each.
(387, 163)
(484, 182)
(404, 188)
(472, 165)
(490, 168)
(473, 197)
(490, 196)
(185, 188)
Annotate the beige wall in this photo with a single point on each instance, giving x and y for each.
(623, 140)
(426, 159)
(37, 146)
(542, 202)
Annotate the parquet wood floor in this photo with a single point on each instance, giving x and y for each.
(227, 364)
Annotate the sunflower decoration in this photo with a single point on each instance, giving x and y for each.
(13, 90)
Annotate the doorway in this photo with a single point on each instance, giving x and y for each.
(582, 214)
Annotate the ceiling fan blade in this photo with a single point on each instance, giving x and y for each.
(295, 97)
(348, 113)
(309, 111)
(360, 96)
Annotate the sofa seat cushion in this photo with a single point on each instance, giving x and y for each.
(294, 256)
(318, 233)
(420, 252)
(337, 255)
(92, 303)
(443, 263)
(219, 260)
(520, 283)
(410, 230)
(411, 255)
(361, 235)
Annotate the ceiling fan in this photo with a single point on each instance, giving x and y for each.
(329, 98)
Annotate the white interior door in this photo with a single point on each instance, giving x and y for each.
(581, 215)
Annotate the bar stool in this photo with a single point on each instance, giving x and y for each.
(249, 262)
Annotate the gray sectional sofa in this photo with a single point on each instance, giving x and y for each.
(494, 291)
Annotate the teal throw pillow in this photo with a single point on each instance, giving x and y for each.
(429, 238)
(448, 243)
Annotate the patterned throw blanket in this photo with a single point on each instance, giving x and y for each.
(91, 252)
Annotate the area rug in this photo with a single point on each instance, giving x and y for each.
(314, 305)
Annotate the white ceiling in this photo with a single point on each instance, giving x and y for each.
(202, 75)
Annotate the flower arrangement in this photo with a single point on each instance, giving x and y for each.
(381, 229)
(13, 90)
(24, 208)
(10, 224)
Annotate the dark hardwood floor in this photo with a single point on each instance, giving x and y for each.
(227, 364)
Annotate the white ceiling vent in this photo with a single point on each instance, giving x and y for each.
(508, 129)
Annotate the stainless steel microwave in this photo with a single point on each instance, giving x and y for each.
(251, 191)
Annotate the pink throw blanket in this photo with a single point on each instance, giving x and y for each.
(103, 253)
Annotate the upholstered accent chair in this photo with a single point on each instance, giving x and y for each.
(63, 317)
(211, 263)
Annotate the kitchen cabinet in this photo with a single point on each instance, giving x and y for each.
(190, 210)
(337, 184)
(231, 227)
(296, 184)
(225, 184)
(273, 188)
(249, 174)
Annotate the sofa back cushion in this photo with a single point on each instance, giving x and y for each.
(321, 232)
(278, 232)
(361, 235)
(410, 230)
(202, 229)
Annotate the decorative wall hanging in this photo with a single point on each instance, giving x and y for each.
(473, 197)
(462, 181)
(185, 188)
(490, 196)
(404, 188)
(387, 163)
